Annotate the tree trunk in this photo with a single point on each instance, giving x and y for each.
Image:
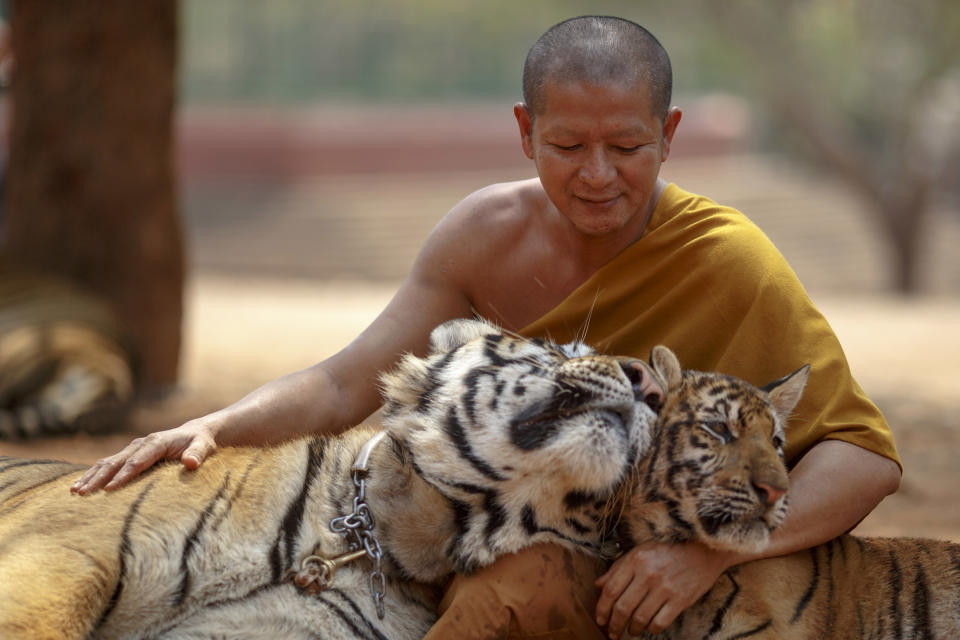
(90, 182)
(904, 221)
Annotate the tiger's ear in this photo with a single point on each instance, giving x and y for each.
(784, 394)
(453, 333)
(665, 363)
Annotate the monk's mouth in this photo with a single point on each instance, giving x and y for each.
(598, 202)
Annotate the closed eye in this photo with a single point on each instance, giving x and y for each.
(629, 149)
(718, 429)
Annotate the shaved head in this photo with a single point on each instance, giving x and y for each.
(597, 49)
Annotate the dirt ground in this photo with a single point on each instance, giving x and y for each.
(243, 332)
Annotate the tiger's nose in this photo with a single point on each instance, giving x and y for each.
(646, 388)
(768, 493)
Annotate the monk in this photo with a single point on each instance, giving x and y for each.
(596, 240)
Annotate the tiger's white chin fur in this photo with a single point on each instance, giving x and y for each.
(747, 530)
(745, 536)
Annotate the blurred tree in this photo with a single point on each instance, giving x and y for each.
(90, 181)
(870, 88)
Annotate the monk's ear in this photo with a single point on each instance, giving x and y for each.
(525, 122)
(667, 366)
(669, 128)
(784, 394)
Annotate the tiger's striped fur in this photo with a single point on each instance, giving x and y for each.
(65, 364)
(715, 437)
(494, 443)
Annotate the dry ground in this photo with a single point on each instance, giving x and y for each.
(241, 333)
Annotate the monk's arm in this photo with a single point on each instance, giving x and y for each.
(331, 395)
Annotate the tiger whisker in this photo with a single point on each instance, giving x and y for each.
(581, 335)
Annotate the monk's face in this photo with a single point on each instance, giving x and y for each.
(598, 150)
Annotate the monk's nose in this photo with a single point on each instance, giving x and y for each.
(597, 170)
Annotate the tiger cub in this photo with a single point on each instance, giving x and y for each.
(715, 473)
(65, 363)
(493, 443)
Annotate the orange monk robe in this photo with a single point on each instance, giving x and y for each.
(706, 282)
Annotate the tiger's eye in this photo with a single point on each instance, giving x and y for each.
(718, 429)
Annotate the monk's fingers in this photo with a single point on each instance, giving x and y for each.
(663, 618)
(83, 480)
(612, 585)
(634, 607)
(201, 447)
(646, 617)
(191, 443)
(152, 448)
(114, 471)
(93, 478)
(105, 469)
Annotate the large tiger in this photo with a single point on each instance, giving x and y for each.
(492, 443)
(715, 473)
(65, 363)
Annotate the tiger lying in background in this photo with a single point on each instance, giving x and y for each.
(715, 474)
(493, 443)
(65, 364)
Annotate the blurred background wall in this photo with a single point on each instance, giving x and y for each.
(324, 138)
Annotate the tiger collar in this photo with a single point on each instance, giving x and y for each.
(362, 462)
(316, 572)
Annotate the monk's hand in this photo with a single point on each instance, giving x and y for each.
(191, 443)
(650, 585)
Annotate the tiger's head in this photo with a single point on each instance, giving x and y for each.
(715, 472)
(525, 440)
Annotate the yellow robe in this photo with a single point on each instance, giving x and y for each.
(706, 282)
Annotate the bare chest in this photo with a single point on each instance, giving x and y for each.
(515, 293)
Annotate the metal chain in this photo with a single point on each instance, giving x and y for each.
(357, 528)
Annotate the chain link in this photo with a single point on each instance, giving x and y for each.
(357, 528)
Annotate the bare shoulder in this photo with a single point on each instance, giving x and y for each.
(496, 251)
(487, 222)
(498, 205)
